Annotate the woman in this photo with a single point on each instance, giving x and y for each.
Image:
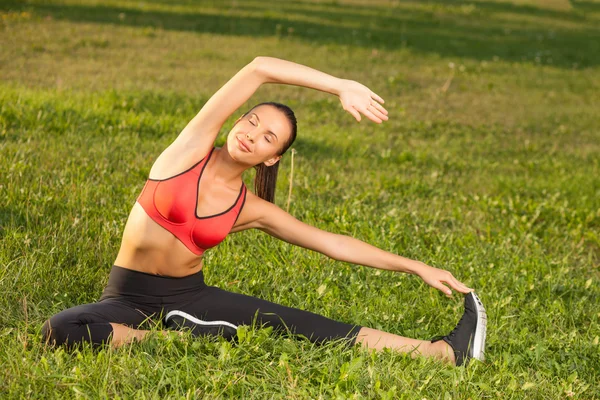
(195, 196)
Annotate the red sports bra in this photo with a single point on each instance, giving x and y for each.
(172, 204)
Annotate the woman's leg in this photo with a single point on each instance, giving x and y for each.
(216, 311)
(378, 340)
(466, 341)
(95, 323)
(213, 310)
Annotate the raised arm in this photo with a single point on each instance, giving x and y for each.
(273, 220)
(203, 129)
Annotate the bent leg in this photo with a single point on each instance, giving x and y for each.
(93, 323)
(214, 304)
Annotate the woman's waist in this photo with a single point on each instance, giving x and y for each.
(157, 261)
(140, 286)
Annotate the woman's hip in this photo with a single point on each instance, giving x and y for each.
(152, 290)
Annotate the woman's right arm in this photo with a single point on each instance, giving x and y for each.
(356, 98)
(203, 129)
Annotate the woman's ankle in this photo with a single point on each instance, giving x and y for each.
(443, 351)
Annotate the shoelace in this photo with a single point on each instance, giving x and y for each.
(451, 335)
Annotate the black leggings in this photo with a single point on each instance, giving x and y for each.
(133, 298)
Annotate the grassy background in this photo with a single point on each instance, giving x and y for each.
(489, 167)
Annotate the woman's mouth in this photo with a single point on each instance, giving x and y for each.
(243, 146)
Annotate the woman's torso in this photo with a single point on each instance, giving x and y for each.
(149, 247)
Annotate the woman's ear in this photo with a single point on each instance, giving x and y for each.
(272, 161)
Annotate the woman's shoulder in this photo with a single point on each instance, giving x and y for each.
(174, 160)
(255, 209)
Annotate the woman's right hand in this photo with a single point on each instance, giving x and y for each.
(358, 99)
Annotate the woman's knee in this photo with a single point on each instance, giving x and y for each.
(89, 323)
(55, 330)
(75, 326)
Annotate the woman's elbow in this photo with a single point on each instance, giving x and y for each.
(336, 249)
(258, 65)
(265, 68)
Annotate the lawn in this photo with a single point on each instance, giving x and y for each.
(489, 167)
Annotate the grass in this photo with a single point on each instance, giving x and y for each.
(489, 167)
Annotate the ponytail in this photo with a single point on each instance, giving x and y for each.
(265, 180)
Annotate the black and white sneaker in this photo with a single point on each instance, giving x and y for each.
(181, 320)
(468, 337)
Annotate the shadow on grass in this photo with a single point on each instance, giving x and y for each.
(586, 6)
(477, 30)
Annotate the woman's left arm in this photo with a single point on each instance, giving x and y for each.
(355, 251)
(273, 220)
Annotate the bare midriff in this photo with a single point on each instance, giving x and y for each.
(148, 247)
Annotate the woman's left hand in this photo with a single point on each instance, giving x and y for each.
(358, 99)
(439, 278)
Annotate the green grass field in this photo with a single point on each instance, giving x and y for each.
(489, 167)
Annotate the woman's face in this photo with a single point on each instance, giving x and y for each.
(259, 136)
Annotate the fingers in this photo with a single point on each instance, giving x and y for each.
(443, 289)
(461, 287)
(354, 113)
(360, 100)
(375, 111)
(379, 107)
(367, 112)
(456, 284)
(377, 97)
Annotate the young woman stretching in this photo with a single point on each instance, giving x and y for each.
(195, 196)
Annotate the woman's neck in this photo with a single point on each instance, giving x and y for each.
(225, 169)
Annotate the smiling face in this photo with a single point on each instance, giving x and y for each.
(259, 136)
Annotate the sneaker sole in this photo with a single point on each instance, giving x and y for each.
(198, 321)
(478, 347)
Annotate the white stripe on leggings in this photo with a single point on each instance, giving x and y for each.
(198, 321)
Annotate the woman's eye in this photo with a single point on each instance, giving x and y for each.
(267, 139)
(252, 122)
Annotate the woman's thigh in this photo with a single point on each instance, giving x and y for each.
(238, 309)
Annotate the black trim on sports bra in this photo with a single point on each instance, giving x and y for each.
(198, 189)
(241, 207)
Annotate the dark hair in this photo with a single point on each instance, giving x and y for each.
(266, 177)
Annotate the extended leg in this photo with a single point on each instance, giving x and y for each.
(465, 342)
(378, 340)
(218, 310)
(215, 309)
